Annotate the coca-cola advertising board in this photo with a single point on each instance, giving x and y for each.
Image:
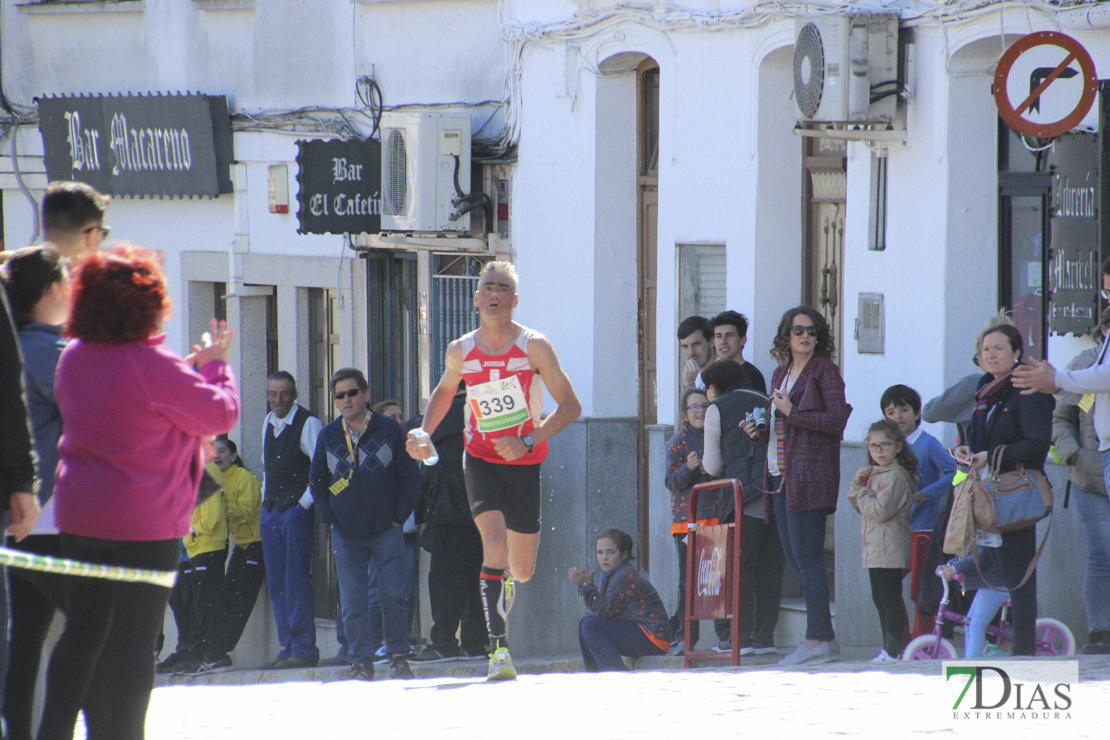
(711, 589)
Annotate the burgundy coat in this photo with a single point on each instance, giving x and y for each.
(811, 470)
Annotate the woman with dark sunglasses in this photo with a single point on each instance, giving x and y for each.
(802, 474)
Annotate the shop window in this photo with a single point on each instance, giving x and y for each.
(702, 288)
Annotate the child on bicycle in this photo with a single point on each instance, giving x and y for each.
(984, 606)
(881, 492)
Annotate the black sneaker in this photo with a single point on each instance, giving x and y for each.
(361, 671)
(173, 661)
(399, 667)
(725, 646)
(1102, 647)
(205, 667)
(431, 655)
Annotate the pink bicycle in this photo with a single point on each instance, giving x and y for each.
(1051, 638)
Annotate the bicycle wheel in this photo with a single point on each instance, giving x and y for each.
(924, 647)
(1053, 638)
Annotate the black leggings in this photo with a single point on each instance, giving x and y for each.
(111, 629)
(886, 592)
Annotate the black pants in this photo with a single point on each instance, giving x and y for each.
(116, 624)
(208, 589)
(678, 621)
(184, 610)
(34, 599)
(762, 562)
(886, 592)
(454, 591)
(245, 572)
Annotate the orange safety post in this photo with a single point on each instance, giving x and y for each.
(713, 572)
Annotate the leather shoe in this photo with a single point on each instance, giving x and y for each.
(296, 662)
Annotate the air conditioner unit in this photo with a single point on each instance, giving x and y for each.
(846, 67)
(425, 169)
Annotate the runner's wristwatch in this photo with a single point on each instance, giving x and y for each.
(527, 439)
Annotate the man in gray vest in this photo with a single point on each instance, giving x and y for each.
(288, 521)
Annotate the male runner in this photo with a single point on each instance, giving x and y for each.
(506, 367)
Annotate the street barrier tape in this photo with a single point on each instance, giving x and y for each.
(66, 567)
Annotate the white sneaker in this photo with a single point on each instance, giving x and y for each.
(883, 657)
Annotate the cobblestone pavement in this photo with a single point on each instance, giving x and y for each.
(842, 699)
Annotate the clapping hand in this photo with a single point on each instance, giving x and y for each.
(215, 344)
(693, 461)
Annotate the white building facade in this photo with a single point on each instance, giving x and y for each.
(643, 166)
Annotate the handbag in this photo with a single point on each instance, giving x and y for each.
(960, 534)
(1006, 502)
(811, 398)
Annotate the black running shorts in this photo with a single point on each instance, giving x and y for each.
(514, 490)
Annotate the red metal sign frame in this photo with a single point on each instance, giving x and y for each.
(715, 605)
(1013, 116)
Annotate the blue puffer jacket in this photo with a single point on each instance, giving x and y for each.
(384, 488)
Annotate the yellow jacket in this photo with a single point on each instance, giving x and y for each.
(244, 505)
(209, 522)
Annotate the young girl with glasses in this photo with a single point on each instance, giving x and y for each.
(881, 492)
(684, 471)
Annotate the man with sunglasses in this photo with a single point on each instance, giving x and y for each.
(73, 218)
(365, 487)
(287, 523)
(506, 367)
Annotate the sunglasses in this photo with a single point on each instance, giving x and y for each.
(104, 231)
(798, 330)
(696, 407)
(340, 395)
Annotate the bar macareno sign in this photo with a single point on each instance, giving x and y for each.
(340, 187)
(141, 145)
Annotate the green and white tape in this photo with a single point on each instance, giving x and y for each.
(66, 567)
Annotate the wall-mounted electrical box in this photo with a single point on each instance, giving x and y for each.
(871, 324)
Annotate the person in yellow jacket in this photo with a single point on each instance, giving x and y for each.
(206, 546)
(245, 571)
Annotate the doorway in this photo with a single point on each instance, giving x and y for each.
(825, 190)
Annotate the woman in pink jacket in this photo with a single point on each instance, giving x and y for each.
(131, 459)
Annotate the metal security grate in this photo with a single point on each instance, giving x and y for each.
(396, 178)
(453, 284)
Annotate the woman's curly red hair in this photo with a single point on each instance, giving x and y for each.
(119, 296)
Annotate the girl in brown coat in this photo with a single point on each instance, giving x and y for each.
(881, 492)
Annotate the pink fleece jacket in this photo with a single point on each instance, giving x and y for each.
(131, 454)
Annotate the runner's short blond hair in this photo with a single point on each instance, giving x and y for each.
(499, 266)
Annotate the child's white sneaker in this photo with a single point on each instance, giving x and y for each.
(883, 657)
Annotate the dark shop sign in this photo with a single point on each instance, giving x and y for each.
(340, 187)
(143, 145)
(1074, 277)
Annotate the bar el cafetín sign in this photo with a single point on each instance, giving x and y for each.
(1074, 275)
(144, 145)
(340, 187)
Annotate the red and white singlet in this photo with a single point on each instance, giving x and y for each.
(504, 399)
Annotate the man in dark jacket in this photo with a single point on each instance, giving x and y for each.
(365, 487)
(455, 545)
